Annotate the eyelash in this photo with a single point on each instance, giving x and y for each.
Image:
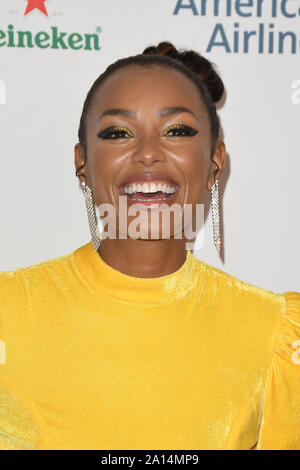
(113, 130)
(107, 133)
(180, 127)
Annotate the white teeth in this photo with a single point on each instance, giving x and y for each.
(149, 188)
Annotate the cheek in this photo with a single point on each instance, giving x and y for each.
(102, 170)
(196, 176)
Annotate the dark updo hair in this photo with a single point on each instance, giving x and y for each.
(196, 67)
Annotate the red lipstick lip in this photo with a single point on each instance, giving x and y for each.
(149, 178)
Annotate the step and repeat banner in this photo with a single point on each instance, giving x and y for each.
(51, 51)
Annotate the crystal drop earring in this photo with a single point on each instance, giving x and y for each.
(215, 214)
(90, 207)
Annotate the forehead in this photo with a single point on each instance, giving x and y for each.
(136, 86)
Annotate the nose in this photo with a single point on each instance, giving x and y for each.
(148, 151)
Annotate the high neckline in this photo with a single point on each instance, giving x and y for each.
(102, 277)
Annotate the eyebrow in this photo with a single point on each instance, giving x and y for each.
(161, 113)
(118, 111)
(175, 110)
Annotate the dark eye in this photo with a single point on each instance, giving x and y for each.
(115, 133)
(180, 130)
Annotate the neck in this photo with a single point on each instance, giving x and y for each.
(143, 258)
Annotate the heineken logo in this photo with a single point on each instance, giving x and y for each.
(51, 39)
(36, 4)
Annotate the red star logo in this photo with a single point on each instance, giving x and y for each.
(39, 4)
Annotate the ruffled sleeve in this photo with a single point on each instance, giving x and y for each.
(20, 423)
(280, 420)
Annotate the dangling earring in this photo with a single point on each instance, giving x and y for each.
(90, 207)
(215, 214)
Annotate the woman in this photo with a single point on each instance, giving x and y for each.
(132, 342)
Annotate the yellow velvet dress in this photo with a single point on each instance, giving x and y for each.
(91, 358)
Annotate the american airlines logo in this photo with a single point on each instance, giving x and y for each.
(264, 18)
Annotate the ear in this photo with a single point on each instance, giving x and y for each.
(79, 160)
(219, 157)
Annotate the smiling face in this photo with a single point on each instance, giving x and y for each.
(148, 125)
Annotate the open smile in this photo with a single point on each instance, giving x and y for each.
(150, 189)
(150, 199)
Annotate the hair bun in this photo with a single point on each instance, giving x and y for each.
(195, 62)
(163, 48)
